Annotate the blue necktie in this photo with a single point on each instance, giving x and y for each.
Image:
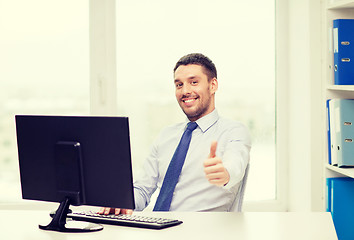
(174, 169)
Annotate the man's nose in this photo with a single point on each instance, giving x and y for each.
(186, 89)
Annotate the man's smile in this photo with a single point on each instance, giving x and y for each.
(189, 101)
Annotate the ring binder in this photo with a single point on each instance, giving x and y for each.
(343, 36)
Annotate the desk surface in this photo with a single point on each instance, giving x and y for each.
(250, 225)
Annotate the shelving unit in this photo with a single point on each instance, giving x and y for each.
(342, 4)
(342, 9)
(343, 88)
(348, 172)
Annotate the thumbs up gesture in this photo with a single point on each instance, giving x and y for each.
(214, 169)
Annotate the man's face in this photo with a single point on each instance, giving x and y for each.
(194, 93)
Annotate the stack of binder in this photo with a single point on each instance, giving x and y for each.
(343, 49)
(340, 202)
(340, 130)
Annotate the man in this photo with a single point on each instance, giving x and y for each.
(216, 157)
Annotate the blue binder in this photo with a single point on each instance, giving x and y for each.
(340, 199)
(344, 121)
(343, 48)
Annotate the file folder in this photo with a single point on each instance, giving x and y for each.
(343, 49)
(343, 110)
(340, 199)
(332, 134)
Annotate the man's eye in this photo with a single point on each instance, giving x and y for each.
(178, 85)
(195, 82)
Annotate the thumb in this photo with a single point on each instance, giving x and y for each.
(213, 146)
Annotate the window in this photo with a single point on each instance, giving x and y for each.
(239, 36)
(44, 70)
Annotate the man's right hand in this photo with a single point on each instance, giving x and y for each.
(214, 168)
(116, 211)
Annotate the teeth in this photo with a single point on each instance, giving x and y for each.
(189, 100)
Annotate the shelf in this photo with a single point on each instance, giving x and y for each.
(341, 4)
(341, 87)
(332, 9)
(349, 172)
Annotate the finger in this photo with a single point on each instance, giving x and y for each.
(127, 211)
(214, 176)
(101, 211)
(212, 161)
(214, 169)
(107, 211)
(213, 146)
(217, 179)
(217, 182)
(117, 211)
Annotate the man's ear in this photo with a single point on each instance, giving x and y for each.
(213, 85)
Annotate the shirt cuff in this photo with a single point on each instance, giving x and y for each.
(236, 176)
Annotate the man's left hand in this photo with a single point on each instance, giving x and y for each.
(214, 169)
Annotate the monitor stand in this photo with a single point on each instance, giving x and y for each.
(59, 223)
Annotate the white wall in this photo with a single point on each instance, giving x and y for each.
(305, 186)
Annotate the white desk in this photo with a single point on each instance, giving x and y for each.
(18, 225)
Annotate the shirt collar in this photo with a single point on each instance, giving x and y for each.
(207, 121)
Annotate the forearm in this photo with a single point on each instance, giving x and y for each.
(236, 154)
(146, 182)
(235, 162)
(142, 199)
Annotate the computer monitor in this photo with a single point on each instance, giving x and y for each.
(75, 160)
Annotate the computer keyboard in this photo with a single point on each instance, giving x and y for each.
(125, 220)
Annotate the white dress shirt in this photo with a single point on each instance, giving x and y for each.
(193, 191)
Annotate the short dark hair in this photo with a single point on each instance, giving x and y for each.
(198, 59)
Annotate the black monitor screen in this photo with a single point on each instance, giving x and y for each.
(84, 159)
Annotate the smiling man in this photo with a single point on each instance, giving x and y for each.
(195, 90)
(197, 165)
